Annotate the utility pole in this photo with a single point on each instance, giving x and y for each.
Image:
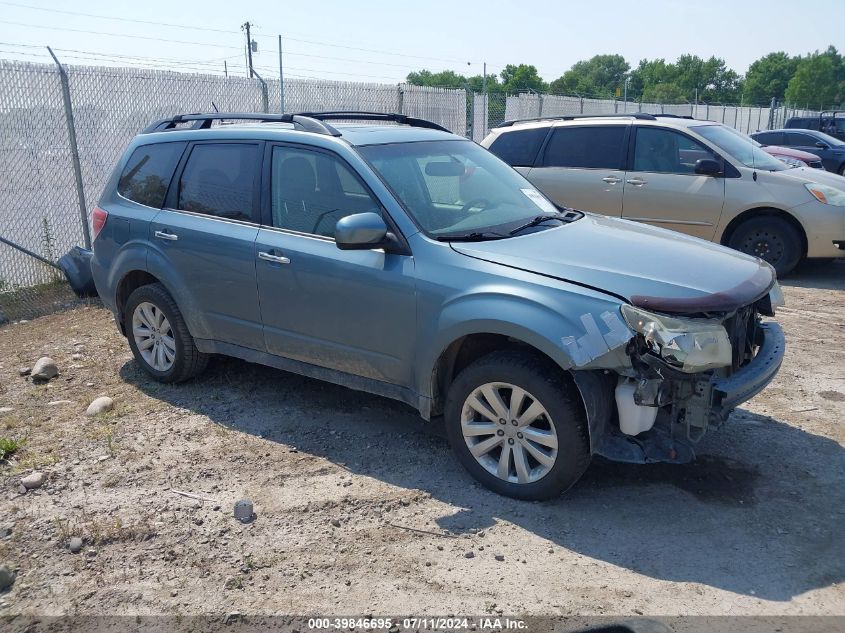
(245, 27)
(281, 80)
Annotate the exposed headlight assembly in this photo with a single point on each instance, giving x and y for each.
(826, 195)
(688, 345)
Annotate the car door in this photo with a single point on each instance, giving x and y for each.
(581, 166)
(808, 143)
(205, 237)
(353, 311)
(662, 188)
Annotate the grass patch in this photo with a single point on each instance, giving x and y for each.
(9, 447)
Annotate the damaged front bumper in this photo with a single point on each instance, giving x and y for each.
(690, 404)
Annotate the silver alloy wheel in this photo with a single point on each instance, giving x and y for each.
(509, 432)
(153, 336)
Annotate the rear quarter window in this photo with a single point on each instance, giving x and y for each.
(519, 148)
(148, 173)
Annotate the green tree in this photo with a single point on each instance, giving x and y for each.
(600, 75)
(768, 77)
(522, 78)
(668, 92)
(818, 80)
(442, 79)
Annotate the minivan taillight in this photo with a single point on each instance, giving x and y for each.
(98, 220)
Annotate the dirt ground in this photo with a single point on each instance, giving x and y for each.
(361, 507)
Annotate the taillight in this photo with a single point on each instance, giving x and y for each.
(98, 220)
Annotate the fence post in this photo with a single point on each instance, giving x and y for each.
(540, 106)
(265, 97)
(582, 104)
(471, 99)
(400, 99)
(74, 150)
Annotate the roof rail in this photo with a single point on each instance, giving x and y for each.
(202, 121)
(305, 121)
(572, 117)
(356, 115)
(830, 113)
(673, 116)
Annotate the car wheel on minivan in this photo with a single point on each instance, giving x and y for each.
(770, 238)
(517, 424)
(158, 336)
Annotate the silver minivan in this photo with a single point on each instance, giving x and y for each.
(697, 177)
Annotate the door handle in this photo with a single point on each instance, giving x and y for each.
(637, 182)
(611, 180)
(276, 259)
(164, 235)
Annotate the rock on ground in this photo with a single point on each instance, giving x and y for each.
(102, 404)
(7, 578)
(45, 368)
(34, 480)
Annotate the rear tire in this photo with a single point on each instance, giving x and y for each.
(532, 443)
(770, 238)
(159, 337)
(842, 170)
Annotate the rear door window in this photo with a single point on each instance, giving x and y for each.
(769, 138)
(519, 148)
(600, 147)
(148, 173)
(219, 179)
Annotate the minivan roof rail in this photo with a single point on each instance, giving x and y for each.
(305, 121)
(673, 116)
(572, 117)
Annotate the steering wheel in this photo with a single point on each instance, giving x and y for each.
(481, 203)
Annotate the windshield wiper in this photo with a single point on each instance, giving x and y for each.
(539, 220)
(477, 236)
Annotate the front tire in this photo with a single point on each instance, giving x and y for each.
(770, 238)
(159, 337)
(516, 423)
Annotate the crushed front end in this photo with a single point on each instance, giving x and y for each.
(688, 372)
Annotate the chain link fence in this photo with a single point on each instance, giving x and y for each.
(42, 208)
(39, 199)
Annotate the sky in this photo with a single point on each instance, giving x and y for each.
(383, 41)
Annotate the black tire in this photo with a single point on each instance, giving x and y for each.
(842, 170)
(555, 391)
(771, 238)
(188, 360)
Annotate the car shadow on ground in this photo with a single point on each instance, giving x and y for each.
(759, 513)
(811, 273)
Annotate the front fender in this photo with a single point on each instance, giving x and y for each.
(574, 332)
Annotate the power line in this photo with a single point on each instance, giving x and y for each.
(231, 32)
(136, 37)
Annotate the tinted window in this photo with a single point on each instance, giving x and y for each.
(147, 174)
(586, 147)
(665, 151)
(311, 191)
(769, 138)
(219, 180)
(519, 147)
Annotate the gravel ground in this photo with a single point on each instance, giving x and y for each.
(361, 508)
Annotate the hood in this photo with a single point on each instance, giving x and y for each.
(646, 266)
(777, 150)
(808, 174)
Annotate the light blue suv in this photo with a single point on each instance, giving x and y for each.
(383, 253)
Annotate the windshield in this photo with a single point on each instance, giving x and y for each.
(741, 147)
(457, 187)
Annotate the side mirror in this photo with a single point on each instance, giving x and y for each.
(821, 144)
(708, 167)
(361, 231)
